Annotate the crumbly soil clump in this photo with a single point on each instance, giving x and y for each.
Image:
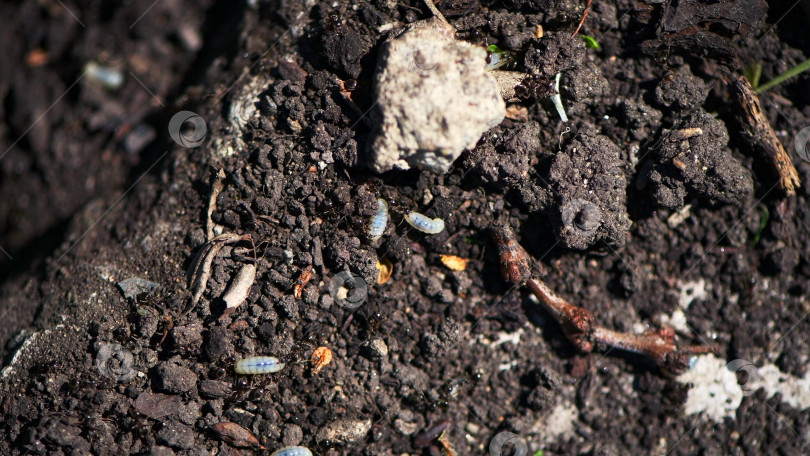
(632, 214)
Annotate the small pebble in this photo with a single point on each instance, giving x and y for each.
(375, 349)
(344, 431)
(105, 76)
(215, 388)
(175, 379)
(176, 435)
(293, 435)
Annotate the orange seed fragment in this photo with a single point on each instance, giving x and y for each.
(321, 358)
(386, 269)
(455, 263)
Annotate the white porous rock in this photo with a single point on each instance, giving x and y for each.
(434, 99)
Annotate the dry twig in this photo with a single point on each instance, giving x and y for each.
(577, 323)
(757, 132)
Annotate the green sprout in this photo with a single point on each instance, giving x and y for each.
(795, 71)
(763, 222)
(470, 240)
(495, 49)
(538, 453)
(590, 42)
(752, 73)
(557, 100)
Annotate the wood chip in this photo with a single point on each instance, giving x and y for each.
(517, 113)
(758, 134)
(687, 133)
(303, 280)
(455, 263)
(677, 217)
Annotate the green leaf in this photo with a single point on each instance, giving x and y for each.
(795, 71)
(495, 49)
(590, 41)
(538, 453)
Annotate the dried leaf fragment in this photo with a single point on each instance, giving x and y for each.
(518, 113)
(386, 269)
(235, 435)
(455, 263)
(303, 280)
(200, 269)
(217, 185)
(447, 445)
(239, 288)
(321, 358)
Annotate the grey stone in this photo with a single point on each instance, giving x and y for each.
(176, 435)
(374, 349)
(175, 379)
(344, 431)
(293, 435)
(434, 99)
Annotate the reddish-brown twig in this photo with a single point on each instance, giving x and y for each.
(587, 10)
(577, 323)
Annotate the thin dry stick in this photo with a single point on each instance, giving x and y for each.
(757, 132)
(217, 185)
(587, 10)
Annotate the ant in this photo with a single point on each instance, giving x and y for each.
(535, 87)
(447, 392)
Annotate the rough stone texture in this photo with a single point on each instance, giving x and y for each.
(344, 431)
(175, 379)
(374, 349)
(589, 185)
(176, 436)
(435, 99)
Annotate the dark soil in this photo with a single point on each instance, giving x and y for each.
(97, 192)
